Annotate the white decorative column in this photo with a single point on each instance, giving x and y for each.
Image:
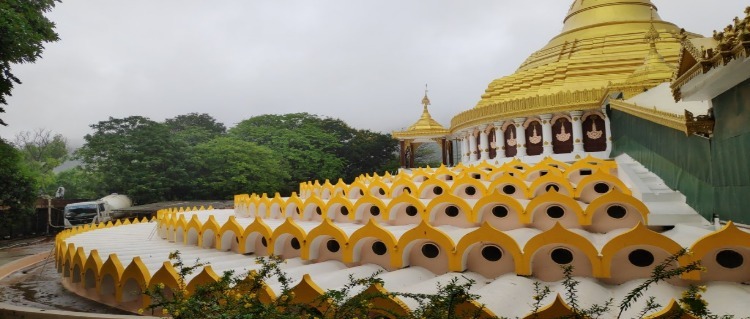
(499, 140)
(465, 152)
(547, 133)
(577, 131)
(484, 144)
(520, 137)
(607, 129)
(472, 147)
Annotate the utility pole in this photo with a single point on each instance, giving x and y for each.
(49, 211)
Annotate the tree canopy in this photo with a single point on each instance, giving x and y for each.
(23, 32)
(42, 151)
(17, 189)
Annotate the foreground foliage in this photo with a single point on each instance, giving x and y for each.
(247, 296)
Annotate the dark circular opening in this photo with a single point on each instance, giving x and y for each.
(374, 210)
(552, 186)
(295, 243)
(430, 250)
(411, 211)
(500, 211)
(297, 210)
(562, 256)
(344, 210)
(264, 242)
(361, 192)
(641, 258)
(601, 188)
(555, 211)
(616, 211)
(333, 246)
(451, 211)
(381, 191)
(492, 253)
(379, 248)
(407, 190)
(729, 259)
(509, 189)
(476, 176)
(470, 190)
(318, 211)
(437, 190)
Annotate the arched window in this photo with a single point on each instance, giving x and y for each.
(492, 143)
(510, 141)
(562, 136)
(594, 134)
(534, 140)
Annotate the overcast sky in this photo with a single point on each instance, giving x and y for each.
(365, 62)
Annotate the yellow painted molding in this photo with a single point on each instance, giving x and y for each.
(615, 197)
(326, 228)
(375, 231)
(423, 231)
(448, 199)
(288, 227)
(729, 236)
(639, 235)
(553, 197)
(558, 236)
(206, 276)
(485, 234)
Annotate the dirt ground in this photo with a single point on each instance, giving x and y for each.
(39, 286)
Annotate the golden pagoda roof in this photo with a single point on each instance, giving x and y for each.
(426, 126)
(601, 43)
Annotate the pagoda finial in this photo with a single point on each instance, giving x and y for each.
(652, 36)
(425, 99)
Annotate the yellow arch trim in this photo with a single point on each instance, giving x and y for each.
(638, 235)
(432, 182)
(483, 175)
(313, 200)
(193, 223)
(556, 198)
(294, 199)
(613, 197)
(371, 229)
(377, 183)
(447, 198)
(557, 309)
(135, 270)
(78, 259)
(259, 226)
(211, 224)
(402, 183)
(289, 227)
(230, 225)
(404, 198)
(512, 180)
(326, 228)
(114, 268)
(671, 311)
(94, 262)
(551, 178)
(465, 180)
(497, 197)
(307, 292)
(728, 236)
(277, 200)
(551, 162)
(483, 164)
(206, 276)
(556, 236)
(427, 232)
(367, 199)
(487, 234)
(387, 305)
(168, 276)
(338, 200)
(599, 176)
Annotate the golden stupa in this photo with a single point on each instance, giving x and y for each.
(603, 44)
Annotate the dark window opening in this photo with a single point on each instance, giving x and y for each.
(470, 191)
(542, 173)
(379, 248)
(333, 246)
(407, 190)
(344, 210)
(509, 189)
(374, 210)
(476, 176)
(601, 188)
(555, 212)
(437, 190)
(616, 211)
(451, 211)
(295, 243)
(381, 191)
(641, 258)
(500, 211)
(430, 250)
(411, 211)
(492, 253)
(318, 211)
(585, 172)
(552, 186)
(264, 242)
(562, 256)
(730, 259)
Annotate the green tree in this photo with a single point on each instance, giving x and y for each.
(23, 31)
(137, 157)
(226, 166)
(194, 128)
(17, 189)
(43, 151)
(369, 152)
(308, 150)
(80, 183)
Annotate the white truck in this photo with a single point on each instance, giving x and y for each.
(98, 211)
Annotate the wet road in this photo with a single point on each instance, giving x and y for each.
(40, 287)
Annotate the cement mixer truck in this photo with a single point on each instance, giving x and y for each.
(98, 211)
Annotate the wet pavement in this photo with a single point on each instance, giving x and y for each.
(39, 286)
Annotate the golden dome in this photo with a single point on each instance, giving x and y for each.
(426, 126)
(601, 43)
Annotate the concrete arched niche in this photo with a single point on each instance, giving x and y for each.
(489, 260)
(427, 254)
(373, 250)
(548, 260)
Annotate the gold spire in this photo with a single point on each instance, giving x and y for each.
(654, 69)
(601, 45)
(426, 126)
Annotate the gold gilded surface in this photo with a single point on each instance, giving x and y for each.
(426, 126)
(601, 45)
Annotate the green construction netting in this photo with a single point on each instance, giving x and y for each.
(732, 110)
(714, 174)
